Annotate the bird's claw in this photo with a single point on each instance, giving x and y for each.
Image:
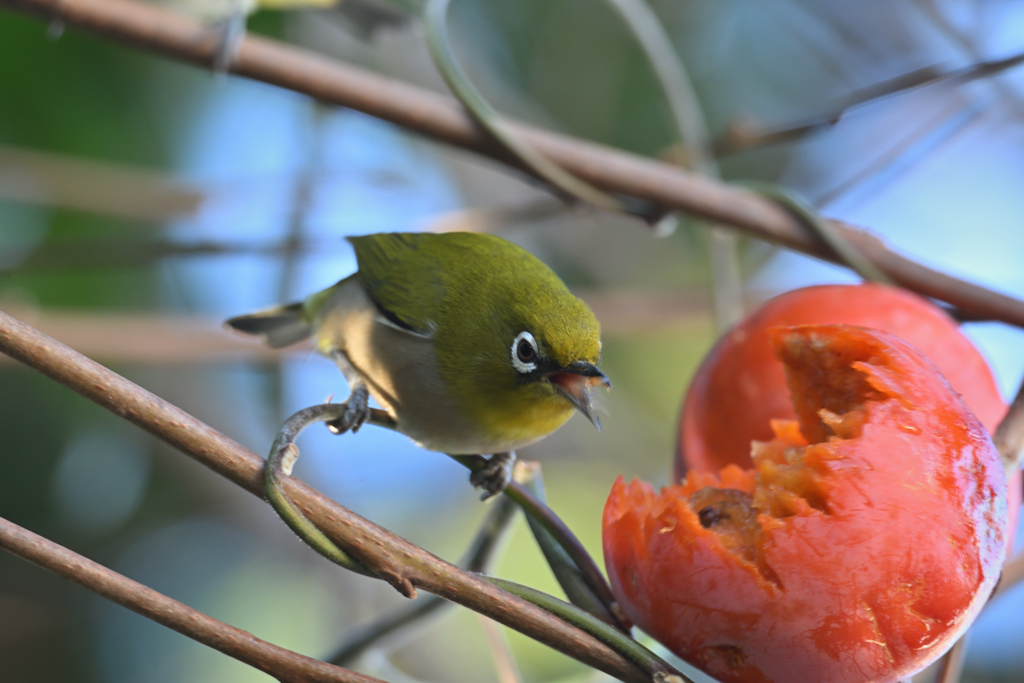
(495, 476)
(230, 32)
(357, 412)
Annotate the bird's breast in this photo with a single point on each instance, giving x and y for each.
(401, 371)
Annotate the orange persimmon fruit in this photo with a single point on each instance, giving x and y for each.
(863, 542)
(740, 386)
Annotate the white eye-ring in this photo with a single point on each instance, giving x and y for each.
(524, 353)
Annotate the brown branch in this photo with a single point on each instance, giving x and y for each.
(143, 337)
(282, 664)
(94, 186)
(374, 546)
(170, 338)
(151, 28)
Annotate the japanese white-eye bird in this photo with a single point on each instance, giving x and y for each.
(470, 343)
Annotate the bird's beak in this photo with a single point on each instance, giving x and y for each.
(575, 382)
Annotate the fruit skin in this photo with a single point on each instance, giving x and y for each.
(872, 588)
(740, 386)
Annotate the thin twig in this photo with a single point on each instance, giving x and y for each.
(156, 30)
(504, 661)
(119, 253)
(373, 545)
(740, 138)
(284, 665)
(969, 46)
(284, 454)
(953, 661)
(477, 559)
(282, 458)
(927, 135)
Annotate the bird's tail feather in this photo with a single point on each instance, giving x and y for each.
(279, 326)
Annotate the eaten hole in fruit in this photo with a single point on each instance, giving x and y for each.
(732, 655)
(731, 514)
(829, 389)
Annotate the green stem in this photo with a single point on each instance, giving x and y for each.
(691, 128)
(282, 457)
(436, 27)
(565, 569)
(807, 215)
(545, 516)
(651, 663)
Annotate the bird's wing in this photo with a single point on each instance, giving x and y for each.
(402, 278)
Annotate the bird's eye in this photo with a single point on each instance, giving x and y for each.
(524, 352)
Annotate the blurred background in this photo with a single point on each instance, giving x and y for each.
(142, 202)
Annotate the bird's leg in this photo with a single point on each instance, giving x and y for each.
(495, 476)
(230, 32)
(357, 406)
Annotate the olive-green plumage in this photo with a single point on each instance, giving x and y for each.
(472, 343)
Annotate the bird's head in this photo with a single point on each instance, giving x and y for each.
(555, 358)
(529, 360)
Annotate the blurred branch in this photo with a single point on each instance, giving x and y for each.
(440, 118)
(1013, 574)
(174, 338)
(1009, 441)
(492, 220)
(109, 253)
(373, 545)
(282, 664)
(739, 137)
(1009, 435)
(504, 661)
(81, 253)
(953, 661)
(143, 338)
(933, 11)
(93, 186)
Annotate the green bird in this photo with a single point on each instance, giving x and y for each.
(470, 343)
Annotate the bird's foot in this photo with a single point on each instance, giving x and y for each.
(495, 476)
(357, 412)
(230, 31)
